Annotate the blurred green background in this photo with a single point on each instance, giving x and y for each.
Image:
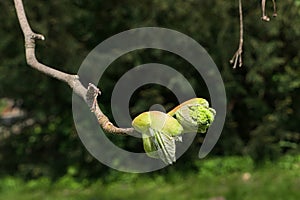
(257, 156)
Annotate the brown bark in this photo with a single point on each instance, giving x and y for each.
(70, 79)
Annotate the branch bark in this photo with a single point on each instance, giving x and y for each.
(72, 80)
(263, 8)
(237, 57)
(238, 54)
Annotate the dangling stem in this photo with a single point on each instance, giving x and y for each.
(263, 8)
(238, 54)
(274, 9)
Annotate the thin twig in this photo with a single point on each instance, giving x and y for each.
(71, 80)
(263, 8)
(274, 9)
(238, 54)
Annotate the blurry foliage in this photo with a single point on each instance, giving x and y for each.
(263, 96)
(221, 167)
(236, 180)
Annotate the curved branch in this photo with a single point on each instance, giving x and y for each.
(70, 79)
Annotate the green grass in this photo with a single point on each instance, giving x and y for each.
(231, 178)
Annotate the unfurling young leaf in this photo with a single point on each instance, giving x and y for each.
(160, 130)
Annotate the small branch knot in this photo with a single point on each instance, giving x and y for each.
(91, 96)
(30, 39)
(36, 36)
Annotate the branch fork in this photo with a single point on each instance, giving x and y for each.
(89, 94)
(238, 54)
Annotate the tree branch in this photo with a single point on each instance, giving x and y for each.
(263, 8)
(71, 80)
(238, 54)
